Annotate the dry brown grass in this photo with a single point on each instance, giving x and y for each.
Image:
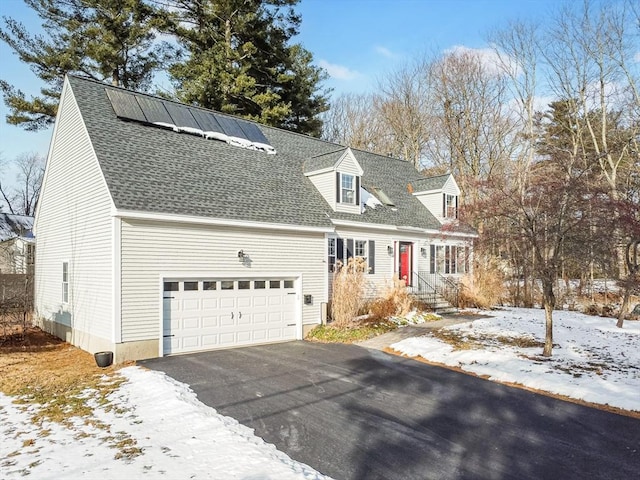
(348, 291)
(395, 300)
(485, 288)
(471, 341)
(63, 382)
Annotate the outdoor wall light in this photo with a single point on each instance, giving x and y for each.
(390, 250)
(241, 255)
(423, 251)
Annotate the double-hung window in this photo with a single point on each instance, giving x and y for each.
(347, 188)
(331, 254)
(360, 249)
(65, 282)
(450, 207)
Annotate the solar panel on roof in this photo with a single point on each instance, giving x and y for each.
(206, 120)
(154, 110)
(124, 105)
(181, 115)
(230, 126)
(253, 133)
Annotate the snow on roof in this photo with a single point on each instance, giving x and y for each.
(12, 226)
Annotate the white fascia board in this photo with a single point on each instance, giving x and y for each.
(377, 226)
(426, 192)
(346, 153)
(320, 172)
(401, 228)
(445, 233)
(166, 217)
(449, 181)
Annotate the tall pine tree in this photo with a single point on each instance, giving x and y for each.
(107, 40)
(240, 60)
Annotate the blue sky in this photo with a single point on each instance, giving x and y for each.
(357, 41)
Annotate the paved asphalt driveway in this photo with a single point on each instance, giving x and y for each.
(355, 413)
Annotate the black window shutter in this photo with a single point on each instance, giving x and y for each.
(340, 250)
(432, 259)
(349, 248)
(372, 256)
(338, 187)
(444, 205)
(456, 206)
(357, 190)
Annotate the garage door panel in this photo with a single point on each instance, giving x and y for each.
(191, 304)
(191, 323)
(259, 301)
(209, 340)
(191, 341)
(235, 313)
(275, 300)
(227, 302)
(210, 303)
(210, 321)
(244, 302)
(259, 335)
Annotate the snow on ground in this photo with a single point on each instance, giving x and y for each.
(179, 436)
(592, 360)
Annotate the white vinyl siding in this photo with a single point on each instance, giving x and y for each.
(385, 262)
(151, 250)
(433, 202)
(73, 224)
(325, 184)
(349, 164)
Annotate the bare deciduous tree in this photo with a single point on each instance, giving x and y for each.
(22, 198)
(589, 57)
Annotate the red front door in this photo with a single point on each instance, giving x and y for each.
(404, 271)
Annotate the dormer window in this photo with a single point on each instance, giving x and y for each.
(348, 189)
(450, 206)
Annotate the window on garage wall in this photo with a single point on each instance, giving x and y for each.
(65, 282)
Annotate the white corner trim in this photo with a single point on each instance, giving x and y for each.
(116, 282)
(166, 217)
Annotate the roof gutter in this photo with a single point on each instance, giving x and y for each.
(401, 228)
(167, 217)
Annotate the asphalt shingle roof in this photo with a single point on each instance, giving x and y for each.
(430, 183)
(155, 170)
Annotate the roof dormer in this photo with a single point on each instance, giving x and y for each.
(337, 176)
(440, 195)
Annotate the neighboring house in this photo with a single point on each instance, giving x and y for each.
(163, 228)
(17, 245)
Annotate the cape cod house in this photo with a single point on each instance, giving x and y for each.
(164, 228)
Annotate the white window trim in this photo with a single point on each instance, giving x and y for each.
(65, 282)
(352, 190)
(450, 208)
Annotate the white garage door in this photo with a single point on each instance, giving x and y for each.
(218, 313)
